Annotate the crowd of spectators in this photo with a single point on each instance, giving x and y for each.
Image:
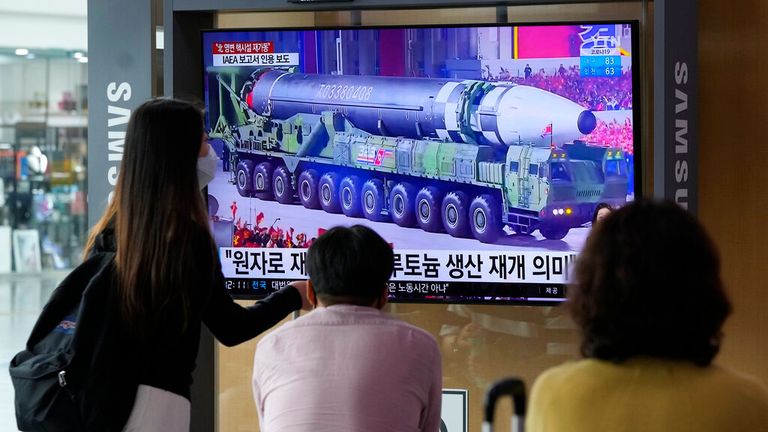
(613, 134)
(258, 236)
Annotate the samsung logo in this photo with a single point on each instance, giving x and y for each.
(117, 119)
(681, 135)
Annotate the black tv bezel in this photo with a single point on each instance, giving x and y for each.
(636, 129)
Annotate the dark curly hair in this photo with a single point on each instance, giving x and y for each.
(648, 284)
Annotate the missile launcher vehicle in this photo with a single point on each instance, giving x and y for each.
(464, 157)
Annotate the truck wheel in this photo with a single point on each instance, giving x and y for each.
(328, 189)
(373, 200)
(553, 232)
(401, 201)
(308, 189)
(262, 181)
(485, 218)
(281, 185)
(428, 202)
(244, 178)
(349, 196)
(455, 214)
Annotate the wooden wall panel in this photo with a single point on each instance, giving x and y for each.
(733, 37)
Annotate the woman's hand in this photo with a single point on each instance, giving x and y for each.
(302, 287)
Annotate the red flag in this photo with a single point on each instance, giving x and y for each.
(547, 130)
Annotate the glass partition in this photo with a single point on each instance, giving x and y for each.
(43, 223)
(43, 135)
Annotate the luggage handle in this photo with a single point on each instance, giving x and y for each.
(513, 387)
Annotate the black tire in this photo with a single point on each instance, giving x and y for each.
(485, 219)
(281, 185)
(373, 200)
(262, 181)
(427, 207)
(553, 232)
(401, 204)
(307, 189)
(328, 192)
(213, 205)
(349, 197)
(244, 178)
(455, 214)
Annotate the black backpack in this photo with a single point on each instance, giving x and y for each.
(78, 372)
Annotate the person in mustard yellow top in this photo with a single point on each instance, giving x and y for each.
(647, 295)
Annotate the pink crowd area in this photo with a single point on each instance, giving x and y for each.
(613, 134)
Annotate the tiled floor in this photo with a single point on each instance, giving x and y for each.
(21, 299)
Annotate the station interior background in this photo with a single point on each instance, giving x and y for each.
(43, 205)
(43, 139)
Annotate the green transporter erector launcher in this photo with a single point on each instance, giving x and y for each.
(466, 157)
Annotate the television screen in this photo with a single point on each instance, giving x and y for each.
(480, 153)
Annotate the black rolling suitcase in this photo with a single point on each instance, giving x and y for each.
(514, 388)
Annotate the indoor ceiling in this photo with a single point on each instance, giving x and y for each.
(44, 26)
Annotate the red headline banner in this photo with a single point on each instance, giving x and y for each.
(243, 47)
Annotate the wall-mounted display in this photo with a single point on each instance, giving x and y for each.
(480, 153)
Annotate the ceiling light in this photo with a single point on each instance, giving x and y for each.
(22, 51)
(83, 59)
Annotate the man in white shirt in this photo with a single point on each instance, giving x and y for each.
(347, 365)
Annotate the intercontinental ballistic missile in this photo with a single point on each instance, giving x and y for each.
(461, 111)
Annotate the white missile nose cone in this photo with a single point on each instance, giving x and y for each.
(533, 115)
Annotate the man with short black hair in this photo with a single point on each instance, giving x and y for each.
(347, 365)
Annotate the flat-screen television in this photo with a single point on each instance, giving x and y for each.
(480, 153)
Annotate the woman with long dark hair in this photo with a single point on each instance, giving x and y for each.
(167, 270)
(648, 298)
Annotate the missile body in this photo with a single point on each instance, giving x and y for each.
(462, 111)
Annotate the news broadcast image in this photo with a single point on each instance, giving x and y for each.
(478, 153)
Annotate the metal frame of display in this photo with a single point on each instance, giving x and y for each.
(124, 67)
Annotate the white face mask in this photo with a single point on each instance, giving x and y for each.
(206, 167)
